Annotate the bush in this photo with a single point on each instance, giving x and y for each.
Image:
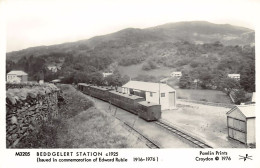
(185, 81)
(240, 96)
(194, 64)
(203, 100)
(149, 65)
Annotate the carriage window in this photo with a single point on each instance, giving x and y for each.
(151, 94)
(162, 94)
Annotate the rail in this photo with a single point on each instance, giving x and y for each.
(149, 143)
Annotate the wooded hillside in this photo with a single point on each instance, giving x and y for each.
(201, 50)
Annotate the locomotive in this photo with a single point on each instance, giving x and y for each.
(132, 103)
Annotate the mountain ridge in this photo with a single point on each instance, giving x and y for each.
(197, 32)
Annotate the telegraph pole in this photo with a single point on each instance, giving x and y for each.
(159, 92)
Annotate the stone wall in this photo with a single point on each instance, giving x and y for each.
(23, 85)
(27, 109)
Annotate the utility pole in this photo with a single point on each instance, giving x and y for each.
(159, 92)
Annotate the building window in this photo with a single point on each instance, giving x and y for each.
(162, 94)
(151, 94)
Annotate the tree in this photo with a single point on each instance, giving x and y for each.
(115, 79)
(9, 65)
(240, 96)
(229, 84)
(125, 79)
(217, 78)
(185, 81)
(206, 79)
(247, 78)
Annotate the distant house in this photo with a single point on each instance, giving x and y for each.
(55, 81)
(52, 68)
(241, 123)
(106, 74)
(17, 77)
(176, 74)
(153, 92)
(205, 55)
(234, 76)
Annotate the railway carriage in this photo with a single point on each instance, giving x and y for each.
(99, 92)
(83, 87)
(125, 101)
(132, 103)
(80, 86)
(149, 111)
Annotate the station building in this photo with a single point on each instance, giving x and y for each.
(159, 93)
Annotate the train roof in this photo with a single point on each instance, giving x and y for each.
(83, 84)
(101, 87)
(148, 104)
(126, 95)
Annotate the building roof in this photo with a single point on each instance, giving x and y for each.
(56, 81)
(148, 86)
(177, 72)
(19, 73)
(233, 74)
(247, 110)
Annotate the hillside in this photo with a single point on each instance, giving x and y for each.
(194, 32)
(201, 49)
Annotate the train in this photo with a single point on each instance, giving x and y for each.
(132, 103)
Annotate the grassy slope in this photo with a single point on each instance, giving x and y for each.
(135, 70)
(81, 125)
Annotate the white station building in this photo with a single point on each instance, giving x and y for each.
(153, 92)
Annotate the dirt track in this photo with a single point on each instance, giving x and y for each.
(206, 122)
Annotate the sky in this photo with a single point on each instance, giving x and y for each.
(45, 22)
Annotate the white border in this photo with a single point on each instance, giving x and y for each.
(167, 157)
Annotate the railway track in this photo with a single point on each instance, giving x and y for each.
(191, 139)
(149, 143)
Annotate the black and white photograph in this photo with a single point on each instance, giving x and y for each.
(90, 82)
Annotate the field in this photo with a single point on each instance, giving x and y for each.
(203, 95)
(81, 125)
